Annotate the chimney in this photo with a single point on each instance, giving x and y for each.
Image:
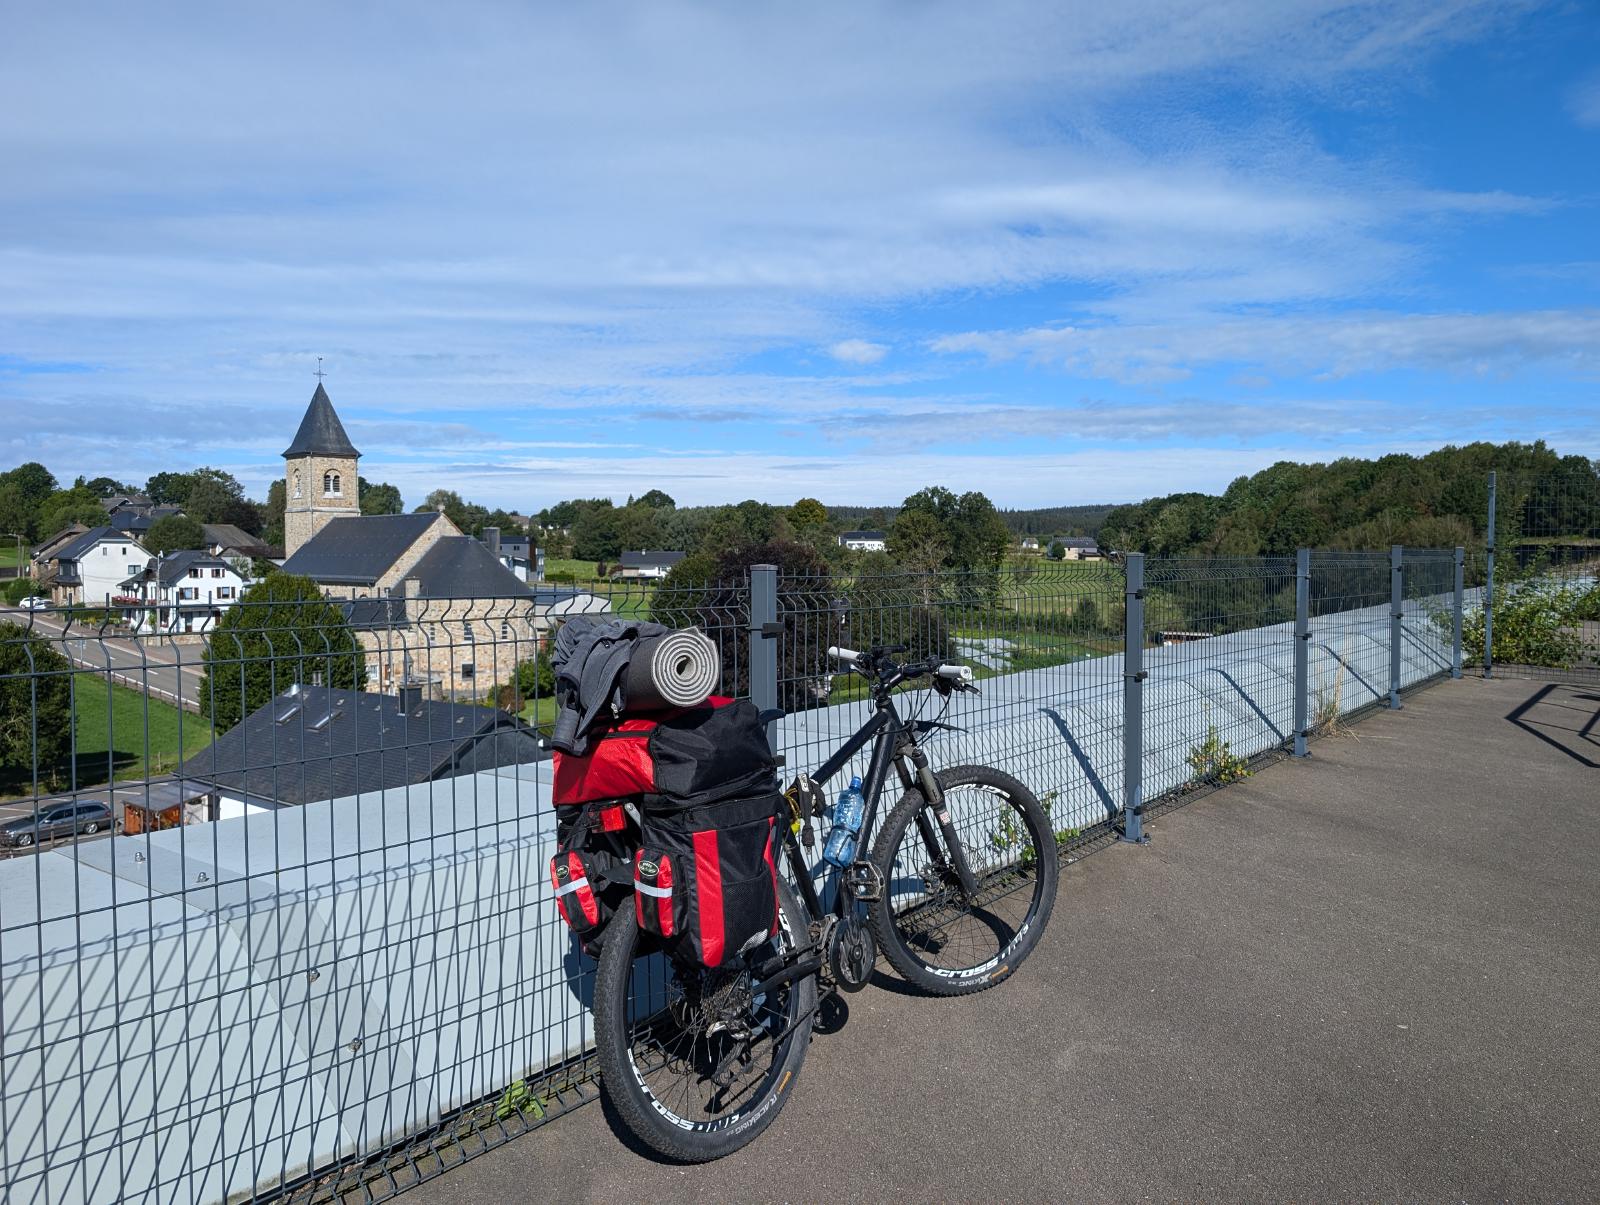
(410, 697)
(491, 537)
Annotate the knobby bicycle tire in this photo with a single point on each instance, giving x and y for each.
(922, 905)
(645, 1113)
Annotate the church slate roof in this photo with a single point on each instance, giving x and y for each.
(356, 550)
(321, 433)
(461, 567)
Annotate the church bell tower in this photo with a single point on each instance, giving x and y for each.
(320, 476)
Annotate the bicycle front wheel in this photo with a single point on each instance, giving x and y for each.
(933, 932)
(694, 1062)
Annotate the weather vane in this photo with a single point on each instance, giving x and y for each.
(319, 370)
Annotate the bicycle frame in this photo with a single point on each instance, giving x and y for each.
(894, 744)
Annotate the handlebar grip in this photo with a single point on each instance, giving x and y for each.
(958, 673)
(848, 656)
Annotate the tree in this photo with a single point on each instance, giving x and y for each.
(597, 532)
(808, 512)
(272, 514)
(79, 504)
(169, 489)
(377, 498)
(215, 496)
(654, 499)
(104, 487)
(173, 533)
(467, 516)
(22, 494)
(281, 632)
(711, 593)
(1058, 551)
(35, 706)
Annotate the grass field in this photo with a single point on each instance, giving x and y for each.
(11, 556)
(116, 741)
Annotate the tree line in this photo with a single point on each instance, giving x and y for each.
(1436, 500)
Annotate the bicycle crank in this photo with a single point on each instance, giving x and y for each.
(852, 953)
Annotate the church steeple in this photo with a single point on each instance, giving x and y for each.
(321, 433)
(321, 479)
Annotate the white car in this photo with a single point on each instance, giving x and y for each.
(34, 603)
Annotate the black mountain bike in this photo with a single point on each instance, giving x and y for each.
(956, 891)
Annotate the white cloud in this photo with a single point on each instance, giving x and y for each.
(858, 351)
(1326, 346)
(1583, 101)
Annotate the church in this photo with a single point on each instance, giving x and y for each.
(433, 606)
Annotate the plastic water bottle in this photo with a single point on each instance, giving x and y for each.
(848, 813)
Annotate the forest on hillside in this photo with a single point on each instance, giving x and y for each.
(1438, 500)
(1040, 521)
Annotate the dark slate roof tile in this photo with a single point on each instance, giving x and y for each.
(321, 433)
(358, 550)
(460, 567)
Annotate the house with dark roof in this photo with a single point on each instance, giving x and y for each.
(182, 592)
(312, 743)
(864, 541)
(645, 563)
(236, 544)
(44, 551)
(1080, 548)
(516, 553)
(89, 569)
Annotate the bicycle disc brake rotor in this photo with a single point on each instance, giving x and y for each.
(852, 953)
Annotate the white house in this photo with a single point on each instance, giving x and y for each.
(90, 569)
(180, 592)
(864, 541)
(647, 564)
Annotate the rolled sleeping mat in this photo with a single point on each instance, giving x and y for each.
(679, 669)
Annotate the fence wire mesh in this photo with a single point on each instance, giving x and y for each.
(319, 958)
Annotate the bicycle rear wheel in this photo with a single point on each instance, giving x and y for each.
(695, 1065)
(933, 934)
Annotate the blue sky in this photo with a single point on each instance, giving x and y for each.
(1058, 253)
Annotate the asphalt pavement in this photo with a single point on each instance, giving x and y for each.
(1370, 974)
(166, 669)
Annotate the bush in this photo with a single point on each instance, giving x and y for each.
(560, 578)
(20, 588)
(1534, 624)
(35, 704)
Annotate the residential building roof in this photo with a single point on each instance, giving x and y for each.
(226, 535)
(138, 520)
(118, 501)
(1078, 542)
(357, 550)
(651, 560)
(321, 433)
(75, 548)
(311, 743)
(46, 547)
(175, 566)
(461, 567)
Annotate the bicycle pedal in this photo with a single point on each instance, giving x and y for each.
(865, 882)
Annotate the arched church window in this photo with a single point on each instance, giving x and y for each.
(330, 484)
(297, 483)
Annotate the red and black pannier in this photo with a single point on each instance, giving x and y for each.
(705, 878)
(592, 872)
(701, 859)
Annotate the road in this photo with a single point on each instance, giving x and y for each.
(155, 664)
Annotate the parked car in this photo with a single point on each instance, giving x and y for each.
(34, 603)
(55, 820)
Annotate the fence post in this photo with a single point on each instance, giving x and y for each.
(1488, 591)
(1133, 676)
(1460, 612)
(1396, 613)
(764, 633)
(1302, 648)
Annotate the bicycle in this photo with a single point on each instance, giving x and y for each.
(957, 890)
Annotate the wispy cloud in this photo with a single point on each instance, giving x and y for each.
(1583, 101)
(858, 351)
(1325, 346)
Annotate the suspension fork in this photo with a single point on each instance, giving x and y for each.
(926, 781)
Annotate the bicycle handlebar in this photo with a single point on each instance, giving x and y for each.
(961, 675)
